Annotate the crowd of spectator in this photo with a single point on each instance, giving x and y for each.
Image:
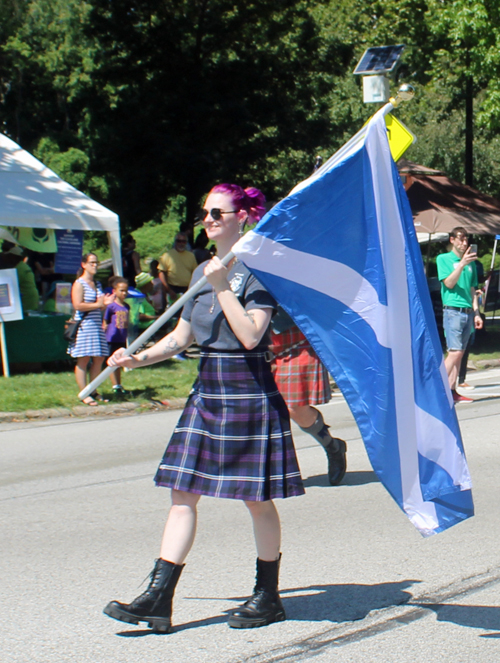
(168, 278)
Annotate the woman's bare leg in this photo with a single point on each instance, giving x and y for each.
(267, 529)
(96, 367)
(180, 528)
(81, 372)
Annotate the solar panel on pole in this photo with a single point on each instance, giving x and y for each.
(379, 59)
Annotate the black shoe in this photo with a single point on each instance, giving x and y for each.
(154, 606)
(125, 613)
(334, 447)
(265, 606)
(337, 461)
(262, 609)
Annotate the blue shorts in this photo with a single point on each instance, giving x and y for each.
(457, 328)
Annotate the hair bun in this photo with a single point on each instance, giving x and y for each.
(251, 199)
(257, 206)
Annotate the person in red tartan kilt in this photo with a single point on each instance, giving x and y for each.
(303, 382)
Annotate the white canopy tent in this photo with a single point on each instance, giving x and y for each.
(33, 196)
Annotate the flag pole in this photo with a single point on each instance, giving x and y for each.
(405, 93)
(147, 333)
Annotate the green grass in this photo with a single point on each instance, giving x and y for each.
(487, 344)
(171, 379)
(35, 391)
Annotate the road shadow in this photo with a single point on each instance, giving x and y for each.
(472, 616)
(334, 603)
(176, 628)
(343, 603)
(150, 393)
(351, 479)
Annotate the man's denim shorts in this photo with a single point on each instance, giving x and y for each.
(457, 328)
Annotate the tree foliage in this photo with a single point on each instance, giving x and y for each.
(138, 102)
(208, 91)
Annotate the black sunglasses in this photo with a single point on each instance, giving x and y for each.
(216, 213)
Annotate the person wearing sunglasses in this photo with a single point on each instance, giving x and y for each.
(90, 347)
(233, 438)
(176, 267)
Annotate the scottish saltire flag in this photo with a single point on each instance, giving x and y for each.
(341, 256)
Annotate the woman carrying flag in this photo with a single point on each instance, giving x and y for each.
(233, 438)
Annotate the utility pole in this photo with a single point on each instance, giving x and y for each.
(469, 123)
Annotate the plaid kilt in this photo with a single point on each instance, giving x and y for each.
(233, 438)
(301, 377)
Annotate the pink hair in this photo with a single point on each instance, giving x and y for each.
(251, 199)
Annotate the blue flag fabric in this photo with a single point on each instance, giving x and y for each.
(341, 256)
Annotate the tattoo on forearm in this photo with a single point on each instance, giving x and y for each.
(171, 346)
(144, 357)
(251, 316)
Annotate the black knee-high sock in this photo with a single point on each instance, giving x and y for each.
(319, 430)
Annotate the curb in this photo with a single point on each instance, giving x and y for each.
(486, 363)
(84, 411)
(131, 407)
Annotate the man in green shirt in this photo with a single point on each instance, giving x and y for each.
(25, 277)
(457, 273)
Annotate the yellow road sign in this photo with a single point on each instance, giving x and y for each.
(400, 137)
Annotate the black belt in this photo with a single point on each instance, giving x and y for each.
(458, 308)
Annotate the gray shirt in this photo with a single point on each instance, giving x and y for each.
(208, 322)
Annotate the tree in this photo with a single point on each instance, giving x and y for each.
(469, 48)
(190, 93)
(47, 58)
(139, 102)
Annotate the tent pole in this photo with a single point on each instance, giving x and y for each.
(3, 344)
(494, 253)
(114, 243)
(147, 333)
(491, 271)
(428, 256)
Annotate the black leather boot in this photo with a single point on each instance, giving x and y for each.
(265, 606)
(155, 604)
(337, 462)
(335, 449)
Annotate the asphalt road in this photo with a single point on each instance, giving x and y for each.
(81, 522)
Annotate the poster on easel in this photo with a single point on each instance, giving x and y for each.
(10, 297)
(10, 309)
